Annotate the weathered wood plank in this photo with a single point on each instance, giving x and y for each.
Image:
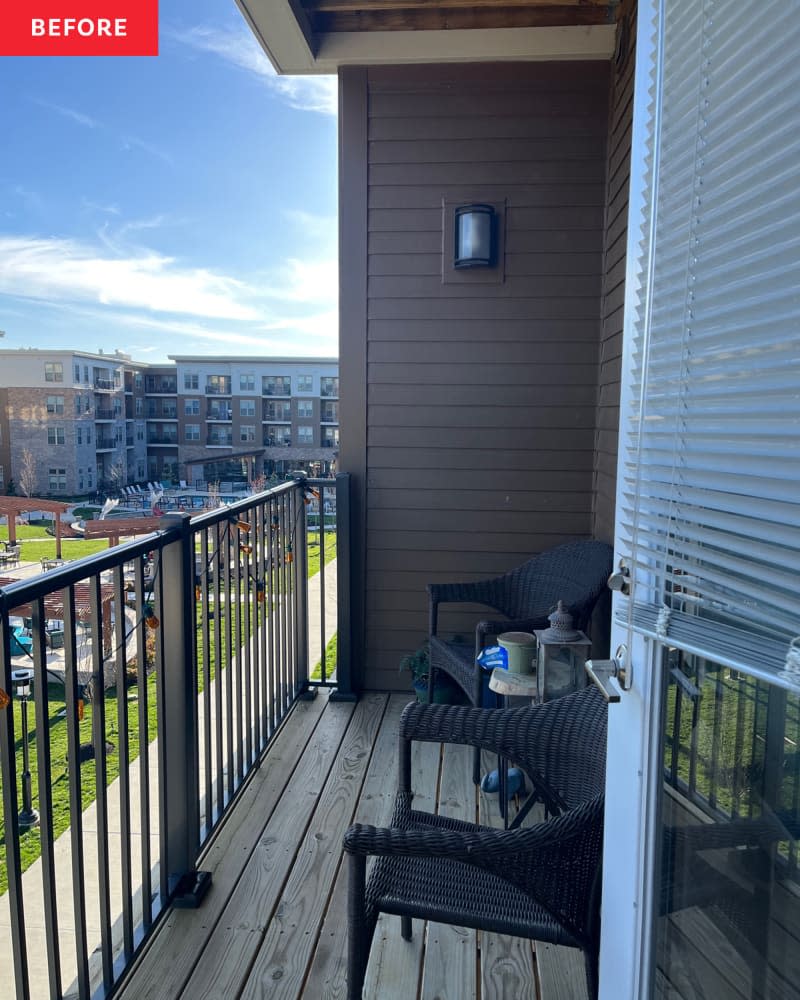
(279, 969)
(327, 977)
(394, 964)
(450, 972)
(507, 966)
(171, 957)
(562, 972)
(217, 973)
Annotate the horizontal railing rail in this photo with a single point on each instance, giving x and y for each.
(160, 670)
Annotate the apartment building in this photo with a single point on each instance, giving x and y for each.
(101, 421)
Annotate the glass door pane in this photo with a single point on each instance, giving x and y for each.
(727, 920)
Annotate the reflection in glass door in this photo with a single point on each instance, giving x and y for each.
(728, 902)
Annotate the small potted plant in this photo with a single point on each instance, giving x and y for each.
(445, 691)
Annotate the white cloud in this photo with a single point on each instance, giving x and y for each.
(240, 48)
(77, 116)
(292, 310)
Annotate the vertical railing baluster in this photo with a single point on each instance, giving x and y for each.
(101, 776)
(269, 582)
(738, 770)
(719, 697)
(218, 672)
(245, 597)
(236, 608)
(207, 682)
(123, 753)
(287, 686)
(257, 534)
(231, 762)
(44, 766)
(144, 740)
(72, 696)
(160, 653)
(694, 740)
(8, 773)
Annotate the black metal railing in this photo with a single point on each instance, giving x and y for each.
(161, 670)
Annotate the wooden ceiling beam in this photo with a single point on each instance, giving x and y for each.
(332, 6)
(439, 19)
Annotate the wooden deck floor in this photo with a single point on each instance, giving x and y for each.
(274, 922)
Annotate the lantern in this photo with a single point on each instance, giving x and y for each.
(561, 655)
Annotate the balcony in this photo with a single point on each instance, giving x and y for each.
(105, 413)
(225, 577)
(105, 384)
(103, 443)
(222, 413)
(219, 441)
(329, 388)
(160, 386)
(163, 438)
(329, 415)
(218, 389)
(276, 388)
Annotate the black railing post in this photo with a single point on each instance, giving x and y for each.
(179, 725)
(344, 652)
(301, 587)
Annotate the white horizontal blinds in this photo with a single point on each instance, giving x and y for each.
(711, 494)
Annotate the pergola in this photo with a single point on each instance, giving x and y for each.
(54, 605)
(114, 528)
(12, 507)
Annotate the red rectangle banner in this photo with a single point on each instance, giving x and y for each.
(79, 28)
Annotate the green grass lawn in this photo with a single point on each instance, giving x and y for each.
(30, 846)
(30, 840)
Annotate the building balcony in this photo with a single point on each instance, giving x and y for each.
(219, 441)
(105, 384)
(219, 390)
(220, 414)
(162, 415)
(275, 441)
(104, 413)
(284, 391)
(105, 444)
(160, 387)
(162, 439)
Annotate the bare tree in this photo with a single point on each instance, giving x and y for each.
(27, 473)
(117, 476)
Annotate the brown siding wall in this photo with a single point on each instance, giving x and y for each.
(616, 235)
(479, 400)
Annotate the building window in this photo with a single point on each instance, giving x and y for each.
(88, 435)
(79, 434)
(57, 480)
(140, 434)
(247, 407)
(276, 385)
(303, 383)
(247, 432)
(55, 404)
(192, 432)
(138, 384)
(55, 435)
(138, 407)
(305, 408)
(219, 385)
(247, 383)
(53, 371)
(77, 373)
(305, 435)
(329, 386)
(191, 407)
(191, 380)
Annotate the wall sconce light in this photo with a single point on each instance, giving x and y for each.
(475, 236)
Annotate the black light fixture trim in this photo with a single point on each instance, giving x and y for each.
(475, 236)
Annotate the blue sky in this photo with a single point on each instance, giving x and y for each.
(174, 205)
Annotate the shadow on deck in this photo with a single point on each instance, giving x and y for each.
(274, 922)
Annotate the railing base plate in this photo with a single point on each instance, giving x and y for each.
(343, 696)
(190, 890)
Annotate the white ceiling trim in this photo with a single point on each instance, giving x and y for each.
(280, 35)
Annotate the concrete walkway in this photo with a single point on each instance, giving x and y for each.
(32, 878)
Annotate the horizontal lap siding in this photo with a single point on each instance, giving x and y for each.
(481, 399)
(616, 235)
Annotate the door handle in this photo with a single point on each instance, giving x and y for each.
(601, 672)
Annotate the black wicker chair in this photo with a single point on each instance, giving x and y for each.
(575, 573)
(540, 882)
